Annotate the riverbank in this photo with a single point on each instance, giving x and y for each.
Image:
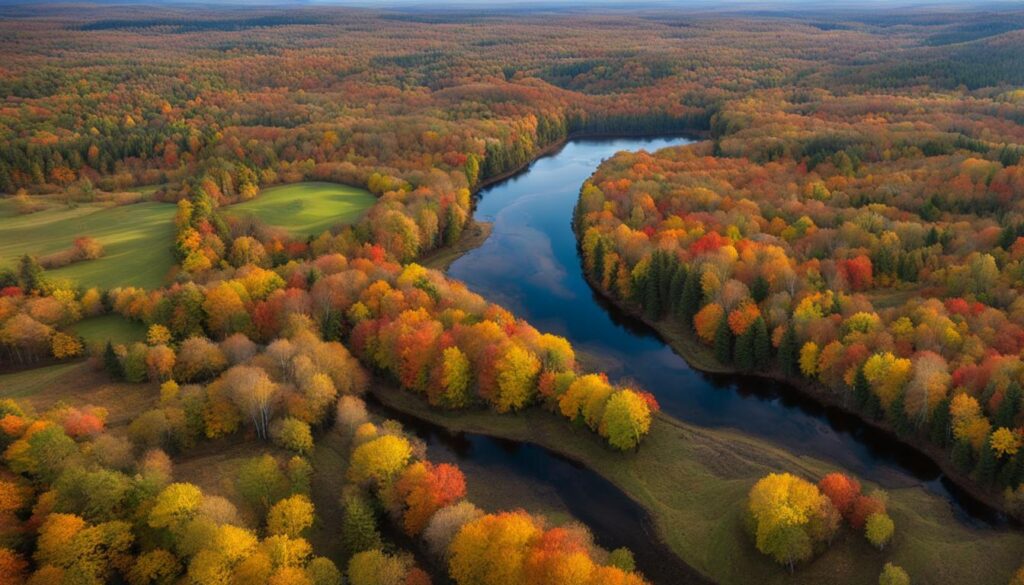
(693, 482)
(473, 236)
(701, 357)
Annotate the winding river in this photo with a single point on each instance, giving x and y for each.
(530, 264)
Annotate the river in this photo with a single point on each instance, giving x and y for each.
(531, 265)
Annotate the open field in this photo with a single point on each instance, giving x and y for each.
(308, 208)
(694, 481)
(78, 384)
(113, 328)
(136, 238)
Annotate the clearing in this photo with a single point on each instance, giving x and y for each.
(308, 209)
(113, 328)
(137, 241)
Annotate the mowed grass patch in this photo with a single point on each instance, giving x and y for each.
(694, 481)
(307, 209)
(113, 328)
(137, 241)
(79, 384)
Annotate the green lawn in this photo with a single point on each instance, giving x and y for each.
(306, 209)
(19, 385)
(137, 240)
(114, 328)
(695, 480)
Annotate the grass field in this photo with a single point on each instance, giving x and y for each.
(137, 240)
(694, 482)
(306, 209)
(113, 328)
(78, 384)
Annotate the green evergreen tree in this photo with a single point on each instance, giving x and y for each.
(1006, 414)
(1007, 237)
(334, 326)
(744, 357)
(112, 363)
(652, 287)
(938, 432)
(897, 415)
(873, 406)
(597, 271)
(988, 464)
(723, 342)
(675, 290)
(759, 289)
(1011, 470)
(669, 267)
(788, 352)
(861, 389)
(762, 345)
(689, 304)
(358, 526)
(963, 455)
(30, 273)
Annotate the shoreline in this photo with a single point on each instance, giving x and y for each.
(686, 346)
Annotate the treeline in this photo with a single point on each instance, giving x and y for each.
(425, 331)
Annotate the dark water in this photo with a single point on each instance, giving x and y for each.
(530, 264)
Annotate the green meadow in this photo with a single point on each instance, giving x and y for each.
(136, 238)
(113, 328)
(309, 208)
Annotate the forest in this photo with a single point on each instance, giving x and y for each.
(244, 208)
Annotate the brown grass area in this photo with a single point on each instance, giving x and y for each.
(79, 384)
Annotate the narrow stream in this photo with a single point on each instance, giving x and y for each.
(530, 264)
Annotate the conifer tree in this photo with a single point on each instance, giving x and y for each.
(788, 352)
(112, 363)
(689, 304)
(744, 357)
(939, 425)
(988, 464)
(723, 342)
(762, 345)
(1009, 407)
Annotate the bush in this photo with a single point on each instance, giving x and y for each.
(292, 433)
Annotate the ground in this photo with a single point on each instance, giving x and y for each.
(136, 239)
(307, 209)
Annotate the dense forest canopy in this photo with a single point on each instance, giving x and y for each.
(853, 222)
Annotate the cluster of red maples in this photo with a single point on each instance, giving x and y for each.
(867, 247)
